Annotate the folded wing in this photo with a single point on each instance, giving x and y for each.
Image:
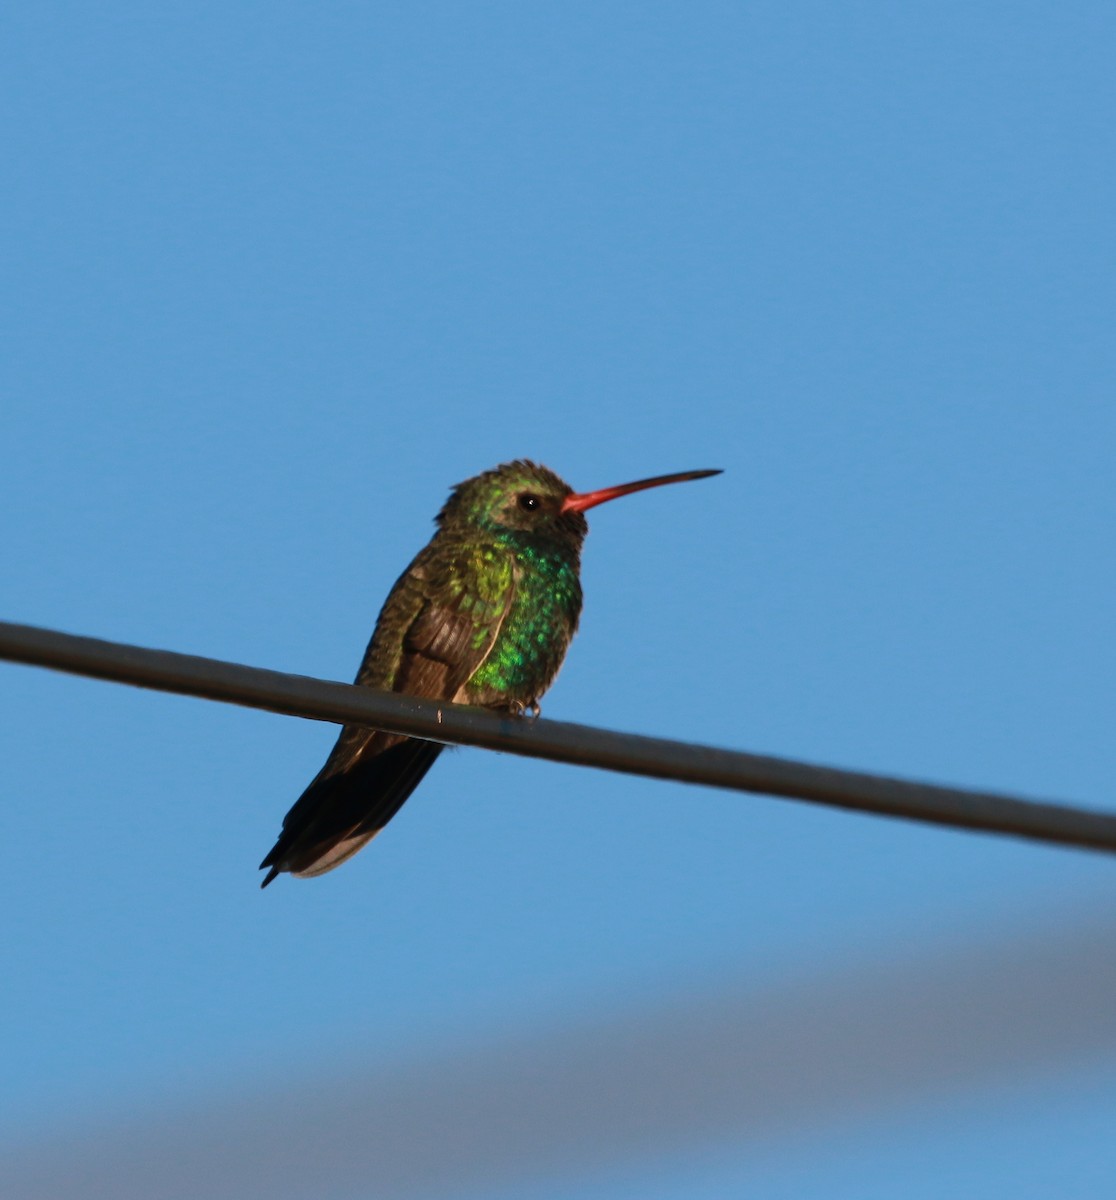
(437, 627)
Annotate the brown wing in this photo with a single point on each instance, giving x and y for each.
(438, 626)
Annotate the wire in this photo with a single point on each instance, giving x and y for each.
(559, 741)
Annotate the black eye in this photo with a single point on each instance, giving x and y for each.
(528, 501)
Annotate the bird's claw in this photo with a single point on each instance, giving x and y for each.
(532, 710)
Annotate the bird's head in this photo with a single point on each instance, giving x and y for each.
(528, 498)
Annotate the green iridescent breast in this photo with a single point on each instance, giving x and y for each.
(536, 632)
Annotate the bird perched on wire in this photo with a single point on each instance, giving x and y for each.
(484, 615)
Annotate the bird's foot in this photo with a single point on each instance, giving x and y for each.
(532, 710)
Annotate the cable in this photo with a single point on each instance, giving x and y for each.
(582, 745)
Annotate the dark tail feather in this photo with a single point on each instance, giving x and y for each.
(342, 810)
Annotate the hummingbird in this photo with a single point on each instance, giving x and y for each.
(484, 615)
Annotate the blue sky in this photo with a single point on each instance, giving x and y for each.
(278, 275)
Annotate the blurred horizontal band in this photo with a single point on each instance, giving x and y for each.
(581, 745)
(887, 1034)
